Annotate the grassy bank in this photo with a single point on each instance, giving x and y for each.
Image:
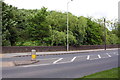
(112, 73)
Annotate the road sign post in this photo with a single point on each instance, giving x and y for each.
(33, 55)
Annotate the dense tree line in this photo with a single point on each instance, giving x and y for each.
(40, 27)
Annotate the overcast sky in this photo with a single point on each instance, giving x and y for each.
(95, 8)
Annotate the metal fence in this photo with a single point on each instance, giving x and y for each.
(18, 49)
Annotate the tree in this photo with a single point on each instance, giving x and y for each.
(57, 21)
(9, 24)
(37, 28)
(93, 33)
(80, 30)
(59, 38)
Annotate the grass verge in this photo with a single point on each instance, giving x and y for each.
(112, 73)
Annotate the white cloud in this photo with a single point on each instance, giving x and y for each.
(95, 8)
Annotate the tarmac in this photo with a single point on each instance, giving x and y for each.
(19, 63)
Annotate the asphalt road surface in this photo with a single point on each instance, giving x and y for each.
(64, 66)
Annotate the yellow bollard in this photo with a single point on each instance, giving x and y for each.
(33, 55)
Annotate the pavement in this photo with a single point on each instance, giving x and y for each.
(8, 55)
(64, 66)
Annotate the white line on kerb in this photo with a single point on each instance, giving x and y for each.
(73, 59)
(88, 57)
(99, 56)
(108, 55)
(57, 60)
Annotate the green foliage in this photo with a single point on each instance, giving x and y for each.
(58, 38)
(57, 20)
(9, 22)
(80, 30)
(40, 27)
(107, 74)
(28, 43)
(93, 33)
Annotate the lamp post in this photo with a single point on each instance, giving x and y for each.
(68, 27)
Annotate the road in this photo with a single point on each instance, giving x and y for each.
(64, 66)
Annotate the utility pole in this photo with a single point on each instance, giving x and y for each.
(104, 34)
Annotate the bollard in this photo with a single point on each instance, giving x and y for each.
(33, 55)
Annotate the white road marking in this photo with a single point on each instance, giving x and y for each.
(88, 57)
(64, 62)
(48, 59)
(73, 59)
(82, 56)
(94, 58)
(99, 56)
(43, 64)
(108, 55)
(57, 60)
(34, 65)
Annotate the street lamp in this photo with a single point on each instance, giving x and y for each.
(68, 26)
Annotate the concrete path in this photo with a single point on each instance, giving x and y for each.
(8, 55)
